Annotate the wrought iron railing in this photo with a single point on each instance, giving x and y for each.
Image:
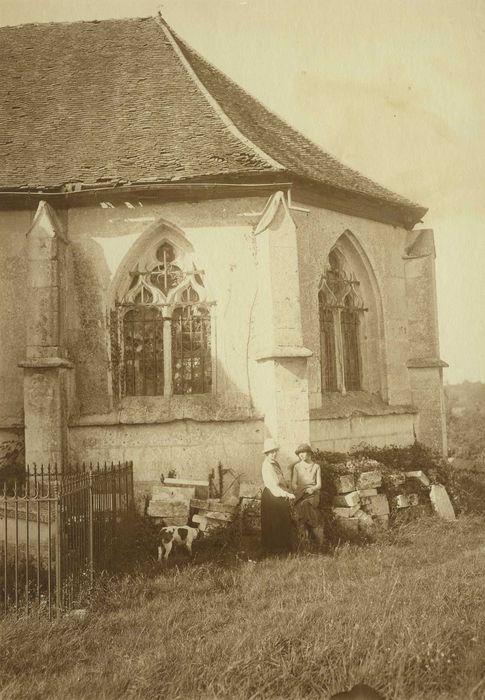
(58, 530)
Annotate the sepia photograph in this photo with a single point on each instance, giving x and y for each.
(242, 350)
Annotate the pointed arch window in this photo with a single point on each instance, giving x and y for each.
(191, 350)
(340, 313)
(162, 329)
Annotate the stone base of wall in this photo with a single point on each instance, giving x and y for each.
(190, 448)
(342, 434)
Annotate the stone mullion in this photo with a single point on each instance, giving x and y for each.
(339, 350)
(167, 352)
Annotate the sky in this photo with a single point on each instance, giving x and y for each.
(393, 88)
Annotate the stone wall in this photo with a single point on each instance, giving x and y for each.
(102, 242)
(375, 253)
(343, 434)
(256, 354)
(13, 305)
(191, 448)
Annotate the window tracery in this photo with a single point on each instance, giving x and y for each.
(161, 329)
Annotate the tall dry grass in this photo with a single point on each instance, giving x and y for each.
(406, 616)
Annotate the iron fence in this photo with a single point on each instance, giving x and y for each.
(57, 530)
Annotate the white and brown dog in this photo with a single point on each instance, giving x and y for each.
(181, 536)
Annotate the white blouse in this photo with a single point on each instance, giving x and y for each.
(273, 478)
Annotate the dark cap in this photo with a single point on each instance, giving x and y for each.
(303, 448)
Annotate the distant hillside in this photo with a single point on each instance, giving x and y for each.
(465, 413)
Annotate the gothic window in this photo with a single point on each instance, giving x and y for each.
(327, 345)
(143, 351)
(340, 311)
(349, 322)
(161, 330)
(191, 350)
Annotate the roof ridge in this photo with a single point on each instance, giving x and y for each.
(350, 169)
(173, 38)
(77, 21)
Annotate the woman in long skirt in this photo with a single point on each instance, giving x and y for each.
(277, 528)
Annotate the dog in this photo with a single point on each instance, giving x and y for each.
(181, 536)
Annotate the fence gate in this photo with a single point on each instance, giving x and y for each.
(58, 530)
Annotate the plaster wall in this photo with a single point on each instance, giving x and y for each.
(13, 305)
(191, 433)
(191, 448)
(102, 242)
(427, 386)
(375, 253)
(342, 434)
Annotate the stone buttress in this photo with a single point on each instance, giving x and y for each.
(46, 365)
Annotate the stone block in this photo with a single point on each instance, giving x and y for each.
(252, 504)
(345, 512)
(382, 521)
(345, 483)
(376, 505)
(201, 521)
(214, 505)
(441, 502)
(420, 476)
(405, 500)
(369, 480)
(214, 515)
(168, 509)
(186, 483)
(347, 499)
(367, 492)
(214, 523)
(167, 490)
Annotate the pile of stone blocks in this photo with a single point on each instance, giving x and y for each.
(358, 505)
(361, 504)
(212, 514)
(170, 499)
(215, 513)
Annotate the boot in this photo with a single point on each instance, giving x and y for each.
(318, 535)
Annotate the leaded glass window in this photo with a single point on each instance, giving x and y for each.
(143, 351)
(340, 313)
(164, 345)
(191, 350)
(349, 321)
(327, 346)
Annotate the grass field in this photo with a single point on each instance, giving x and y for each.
(406, 616)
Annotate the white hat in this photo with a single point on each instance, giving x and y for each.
(270, 445)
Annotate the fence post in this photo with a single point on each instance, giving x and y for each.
(57, 496)
(91, 526)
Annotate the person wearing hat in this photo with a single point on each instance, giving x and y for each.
(277, 527)
(306, 483)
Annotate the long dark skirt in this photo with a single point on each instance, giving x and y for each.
(278, 533)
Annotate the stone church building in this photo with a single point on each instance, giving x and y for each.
(183, 274)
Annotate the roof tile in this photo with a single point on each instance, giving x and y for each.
(117, 100)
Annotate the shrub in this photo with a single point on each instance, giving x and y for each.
(392, 460)
(12, 464)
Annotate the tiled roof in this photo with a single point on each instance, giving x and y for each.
(128, 101)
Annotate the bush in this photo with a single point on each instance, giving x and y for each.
(12, 464)
(137, 540)
(391, 460)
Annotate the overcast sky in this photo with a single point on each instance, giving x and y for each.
(394, 88)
